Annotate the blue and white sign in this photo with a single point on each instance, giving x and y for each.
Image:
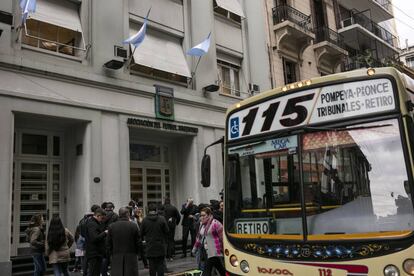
(283, 143)
(234, 128)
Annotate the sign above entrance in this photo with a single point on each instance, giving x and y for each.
(162, 125)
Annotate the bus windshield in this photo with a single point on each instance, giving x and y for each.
(352, 180)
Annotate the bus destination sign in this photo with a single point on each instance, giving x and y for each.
(253, 226)
(323, 104)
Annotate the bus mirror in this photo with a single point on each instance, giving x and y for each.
(205, 171)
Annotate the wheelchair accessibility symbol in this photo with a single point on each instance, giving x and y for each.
(234, 128)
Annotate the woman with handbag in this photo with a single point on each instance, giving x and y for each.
(59, 240)
(36, 238)
(209, 242)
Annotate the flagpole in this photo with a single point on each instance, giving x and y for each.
(198, 62)
(143, 29)
(194, 72)
(130, 58)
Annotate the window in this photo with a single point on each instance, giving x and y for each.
(161, 56)
(229, 78)
(230, 9)
(148, 153)
(410, 61)
(354, 181)
(289, 71)
(55, 27)
(34, 144)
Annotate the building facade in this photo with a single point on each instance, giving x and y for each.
(75, 131)
(318, 37)
(407, 56)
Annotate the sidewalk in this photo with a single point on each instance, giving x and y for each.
(177, 266)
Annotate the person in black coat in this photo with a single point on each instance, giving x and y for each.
(154, 230)
(173, 217)
(110, 218)
(188, 211)
(95, 242)
(123, 244)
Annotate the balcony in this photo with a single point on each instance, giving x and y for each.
(368, 58)
(329, 50)
(293, 31)
(358, 62)
(381, 10)
(361, 25)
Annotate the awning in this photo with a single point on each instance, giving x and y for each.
(232, 6)
(161, 52)
(60, 13)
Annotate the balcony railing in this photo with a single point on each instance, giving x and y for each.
(283, 13)
(386, 4)
(365, 59)
(367, 23)
(325, 34)
(354, 63)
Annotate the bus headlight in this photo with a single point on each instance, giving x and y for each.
(244, 266)
(391, 270)
(233, 260)
(409, 266)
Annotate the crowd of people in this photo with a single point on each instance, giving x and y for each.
(109, 243)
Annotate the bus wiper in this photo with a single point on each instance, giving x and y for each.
(307, 128)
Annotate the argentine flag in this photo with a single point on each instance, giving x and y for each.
(27, 6)
(200, 49)
(138, 38)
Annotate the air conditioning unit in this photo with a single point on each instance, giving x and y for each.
(120, 52)
(254, 88)
(121, 55)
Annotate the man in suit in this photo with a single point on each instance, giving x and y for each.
(172, 216)
(188, 211)
(123, 244)
(95, 242)
(154, 230)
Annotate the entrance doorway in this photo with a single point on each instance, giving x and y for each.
(150, 173)
(37, 182)
(150, 184)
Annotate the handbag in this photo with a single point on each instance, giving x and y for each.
(203, 252)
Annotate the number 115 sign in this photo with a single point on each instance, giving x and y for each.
(283, 112)
(328, 103)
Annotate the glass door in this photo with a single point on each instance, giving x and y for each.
(137, 188)
(154, 185)
(149, 185)
(37, 182)
(150, 174)
(37, 191)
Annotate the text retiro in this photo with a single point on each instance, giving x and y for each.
(361, 97)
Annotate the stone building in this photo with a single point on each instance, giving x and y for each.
(318, 37)
(77, 130)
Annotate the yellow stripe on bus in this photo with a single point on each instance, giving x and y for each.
(376, 235)
(288, 209)
(267, 236)
(373, 235)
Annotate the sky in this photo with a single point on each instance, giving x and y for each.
(404, 20)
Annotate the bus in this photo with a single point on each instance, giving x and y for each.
(319, 177)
